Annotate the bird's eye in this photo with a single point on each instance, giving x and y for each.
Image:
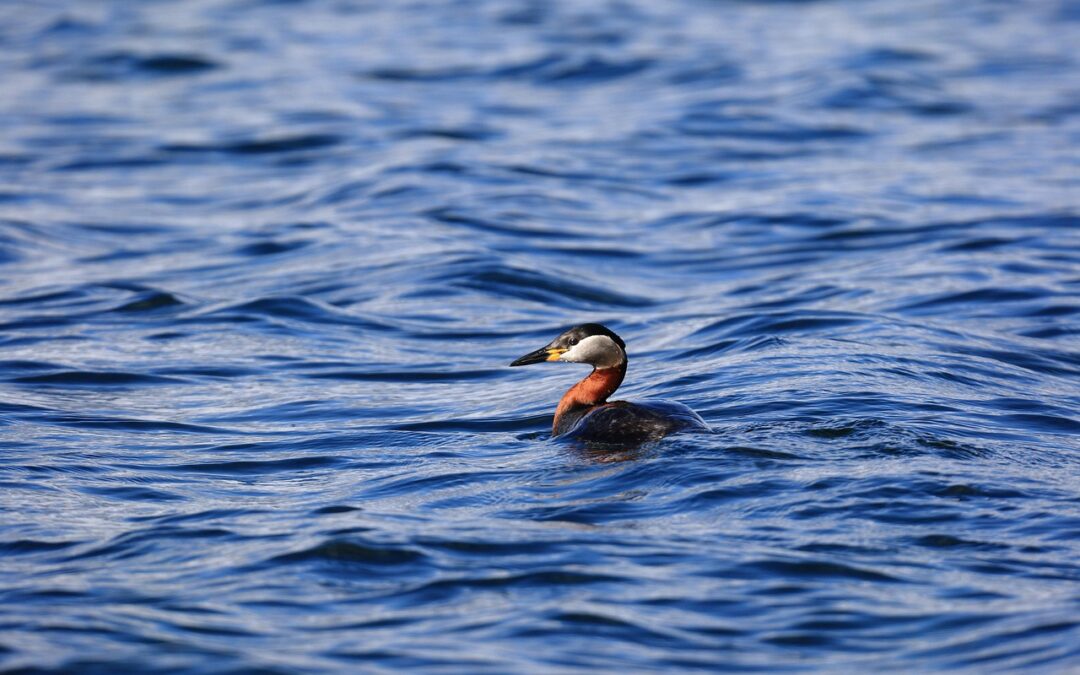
(573, 341)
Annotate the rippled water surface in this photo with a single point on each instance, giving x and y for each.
(263, 265)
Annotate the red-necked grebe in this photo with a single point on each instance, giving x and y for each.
(584, 411)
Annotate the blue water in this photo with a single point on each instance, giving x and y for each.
(264, 263)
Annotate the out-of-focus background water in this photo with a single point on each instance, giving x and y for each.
(263, 264)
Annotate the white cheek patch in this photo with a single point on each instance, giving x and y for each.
(598, 350)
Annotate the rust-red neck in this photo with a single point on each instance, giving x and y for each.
(593, 390)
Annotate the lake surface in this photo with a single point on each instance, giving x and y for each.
(264, 263)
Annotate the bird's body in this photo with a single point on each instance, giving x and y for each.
(626, 422)
(584, 412)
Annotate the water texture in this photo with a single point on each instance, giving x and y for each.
(263, 264)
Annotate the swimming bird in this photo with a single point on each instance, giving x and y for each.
(584, 411)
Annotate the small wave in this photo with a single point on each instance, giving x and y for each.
(270, 247)
(404, 376)
(134, 494)
(258, 467)
(595, 69)
(713, 125)
(977, 296)
(286, 308)
(456, 217)
(123, 65)
(476, 425)
(119, 424)
(82, 378)
(151, 301)
(368, 555)
(503, 280)
(548, 69)
(452, 134)
(903, 94)
(32, 546)
(811, 569)
(260, 146)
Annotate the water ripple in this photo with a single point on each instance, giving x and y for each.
(264, 264)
